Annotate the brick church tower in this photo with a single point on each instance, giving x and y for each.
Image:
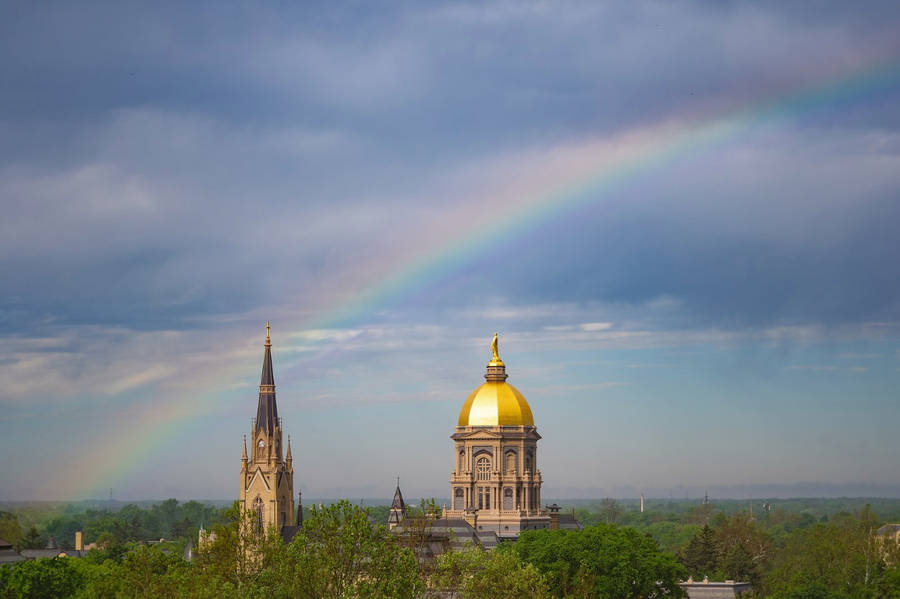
(267, 479)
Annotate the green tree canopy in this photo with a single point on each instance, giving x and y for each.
(602, 561)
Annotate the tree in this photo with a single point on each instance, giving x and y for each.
(54, 578)
(610, 510)
(701, 556)
(32, 539)
(10, 529)
(601, 561)
(840, 555)
(339, 553)
(744, 550)
(474, 573)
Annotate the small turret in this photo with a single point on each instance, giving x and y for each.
(289, 459)
(398, 508)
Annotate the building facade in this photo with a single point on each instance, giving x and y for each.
(267, 475)
(495, 484)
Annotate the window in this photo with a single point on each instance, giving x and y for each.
(258, 509)
(462, 462)
(458, 499)
(483, 468)
(507, 499)
(484, 498)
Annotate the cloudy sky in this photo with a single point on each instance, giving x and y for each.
(682, 218)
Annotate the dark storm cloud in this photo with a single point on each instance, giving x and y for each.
(167, 162)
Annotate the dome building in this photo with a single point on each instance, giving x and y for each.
(496, 484)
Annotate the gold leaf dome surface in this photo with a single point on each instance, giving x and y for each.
(496, 403)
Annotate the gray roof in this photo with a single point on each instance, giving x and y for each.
(44, 553)
(10, 556)
(888, 529)
(398, 503)
(267, 410)
(451, 533)
(568, 522)
(288, 533)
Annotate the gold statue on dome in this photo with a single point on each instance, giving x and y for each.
(494, 349)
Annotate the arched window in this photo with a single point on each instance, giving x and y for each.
(511, 463)
(458, 501)
(462, 462)
(507, 498)
(483, 468)
(258, 510)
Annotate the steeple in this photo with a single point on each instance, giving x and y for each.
(289, 459)
(244, 454)
(398, 508)
(267, 411)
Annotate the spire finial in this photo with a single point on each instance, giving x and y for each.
(496, 369)
(398, 482)
(268, 340)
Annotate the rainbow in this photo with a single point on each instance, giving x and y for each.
(576, 177)
(602, 167)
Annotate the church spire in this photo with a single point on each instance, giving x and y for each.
(398, 508)
(267, 410)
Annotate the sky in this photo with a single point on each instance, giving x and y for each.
(680, 217)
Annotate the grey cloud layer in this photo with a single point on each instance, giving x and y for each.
(161, 164)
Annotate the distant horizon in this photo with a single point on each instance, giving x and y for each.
(836, 491)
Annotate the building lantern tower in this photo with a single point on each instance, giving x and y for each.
(495, 481)
(267, 479)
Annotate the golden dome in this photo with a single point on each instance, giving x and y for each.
(496, 402)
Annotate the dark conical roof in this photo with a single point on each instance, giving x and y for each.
(398, 504)
(267, 409)
(267, 378)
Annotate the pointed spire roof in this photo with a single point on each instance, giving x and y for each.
(288, 456)
(267, 410)
(397, 503)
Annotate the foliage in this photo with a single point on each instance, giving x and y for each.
(54, 578)
(339, 553)
(601, 561)
(477, 574)
(167, 519)
(701, 558)
(10, 529)
(840, 556)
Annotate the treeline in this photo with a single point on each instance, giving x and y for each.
(816, 554)
(166, 520)
(338, 553)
